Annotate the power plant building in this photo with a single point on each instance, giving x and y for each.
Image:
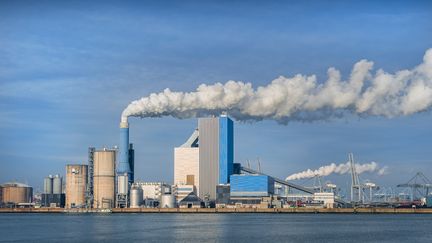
(104, 178)
(53, 195)
(76, 185)
(244, 185)
(216, 154)
(186, 162)
(206, 159)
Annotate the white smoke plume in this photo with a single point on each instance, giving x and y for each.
(340, 169)
(301, 97)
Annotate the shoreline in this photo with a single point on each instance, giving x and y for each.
(227, 210)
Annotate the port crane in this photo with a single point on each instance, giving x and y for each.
(420, 185)
(356, 187)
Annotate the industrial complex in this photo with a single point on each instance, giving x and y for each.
(206, 175)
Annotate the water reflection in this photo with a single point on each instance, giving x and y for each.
(213, 227)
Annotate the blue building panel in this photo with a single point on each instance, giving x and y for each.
(251, 185)
(226, 149)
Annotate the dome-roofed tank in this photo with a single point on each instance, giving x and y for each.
(15, 192)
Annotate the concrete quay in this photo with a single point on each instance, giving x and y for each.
(226, 210)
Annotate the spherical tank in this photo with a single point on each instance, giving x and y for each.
(76, 185)
(16, 193)
(167, 201)
(136, 197)
(104, 178)
(57, 184)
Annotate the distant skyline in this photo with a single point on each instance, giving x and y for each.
(68, 69)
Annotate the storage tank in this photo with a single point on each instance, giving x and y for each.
(14, 192)
(76, 185)
(57, 184)
(122, 184)
(104, 178)
(48, 185)
(136, 197)
(167, 201)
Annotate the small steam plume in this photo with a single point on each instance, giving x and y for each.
(340, 169)
(301, 97)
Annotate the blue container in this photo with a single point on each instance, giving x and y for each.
(251, 185)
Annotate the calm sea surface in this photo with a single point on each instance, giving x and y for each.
(215, 228)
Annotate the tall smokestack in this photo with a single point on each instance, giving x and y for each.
(124, 166)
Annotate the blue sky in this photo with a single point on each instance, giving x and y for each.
(67, 70)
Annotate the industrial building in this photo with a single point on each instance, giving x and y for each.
(326, 198)
(251, 185)
(250, 188)
(223, 196)
(216, 154)
(53, 195)
(204, 166)
(151, 194)
(122, 198)
(76, 185)
(186, 163)
(182, 191)
(205, 175)
(15, 194)
(206, 159)
(191, 201)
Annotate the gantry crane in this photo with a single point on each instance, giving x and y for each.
(419, 185)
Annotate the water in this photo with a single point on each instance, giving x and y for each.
(215, 228)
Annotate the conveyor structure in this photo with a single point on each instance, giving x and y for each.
(287, 183)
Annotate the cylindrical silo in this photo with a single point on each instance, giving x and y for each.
(14, 192)
(122, 184)
(57, 184)
(136, 197)
(167, 201)
(76, 185)
(104, 178)
(48, 185)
